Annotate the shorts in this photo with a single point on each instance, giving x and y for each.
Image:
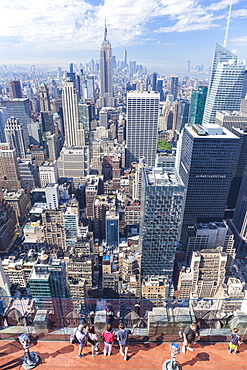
(93, 342)
(82, 344)
(233, 346)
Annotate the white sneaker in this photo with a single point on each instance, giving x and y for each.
(183, 350)
(190, 349)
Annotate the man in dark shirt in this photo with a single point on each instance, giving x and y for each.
(189, 335)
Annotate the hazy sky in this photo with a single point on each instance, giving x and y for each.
(161, 34)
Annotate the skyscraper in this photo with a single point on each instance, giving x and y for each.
(125, 59)
(221, 55)
(19, 108)
(161, 218)
(208, 269)
(73, 130)
(14, 136)
(44, 98)
(207, 165)
(183, 113)
(225, 85)
(106, 90)
(154, 82)
(9, 171)
(142, 126)
(198, 99)
(174, 86)
(15, 89)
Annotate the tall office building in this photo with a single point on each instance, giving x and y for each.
(208, 269)
(8, 224)
(221, 55)
(15, 89)
(154, 82)
(73, 129)
(142, 126)
(106, 89)
(207, 157)
(74, 163)
(160, 88)
(188, 66)
(161, 218)
(125, 59)
(44, 98)
(48, 279)
(174, 86)
(48, 173)
(90, 87)
(54, 231)
(211, 236)
(112, 229)
(231, 119)
(244, 90)
(14, 136)
(225, 85)
(198, 100)
(182, 114)
(9, 171)
(19, 108)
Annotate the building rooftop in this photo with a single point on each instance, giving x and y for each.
(210, 131)
(142, 356)
(158, 176)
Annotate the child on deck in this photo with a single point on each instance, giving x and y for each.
(234, 342)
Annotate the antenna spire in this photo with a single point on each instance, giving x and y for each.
(228, 25)
(105, 34)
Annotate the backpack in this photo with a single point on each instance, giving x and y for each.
(73, 339)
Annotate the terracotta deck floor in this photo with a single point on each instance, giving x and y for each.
(150, 356)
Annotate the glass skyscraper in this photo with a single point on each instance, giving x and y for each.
(161, 218)
(198, 99)
(225, 85)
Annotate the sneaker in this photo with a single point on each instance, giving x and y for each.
(96, 354)
(184, 350)
(235, 352)
(229, 350)
(121, 353)
(79, 356)
(190, 349)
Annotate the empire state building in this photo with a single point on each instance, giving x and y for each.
(106, 91)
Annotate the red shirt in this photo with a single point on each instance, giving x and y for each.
(108, 336)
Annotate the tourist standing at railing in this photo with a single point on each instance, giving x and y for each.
(108, 337)
(81, 337)
(123, 339)
(189, 335)
(234, 342)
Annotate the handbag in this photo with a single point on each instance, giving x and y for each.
(73, 339)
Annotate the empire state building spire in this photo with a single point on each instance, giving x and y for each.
(106, 90)
(105, 34)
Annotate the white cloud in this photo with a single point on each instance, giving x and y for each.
(79, 25)
(240, 41)
(221, 4)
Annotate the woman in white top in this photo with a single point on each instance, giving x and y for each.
(93, 339)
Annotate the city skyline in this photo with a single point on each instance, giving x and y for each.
(173, 33)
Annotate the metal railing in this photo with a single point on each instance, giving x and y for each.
(157, 320)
